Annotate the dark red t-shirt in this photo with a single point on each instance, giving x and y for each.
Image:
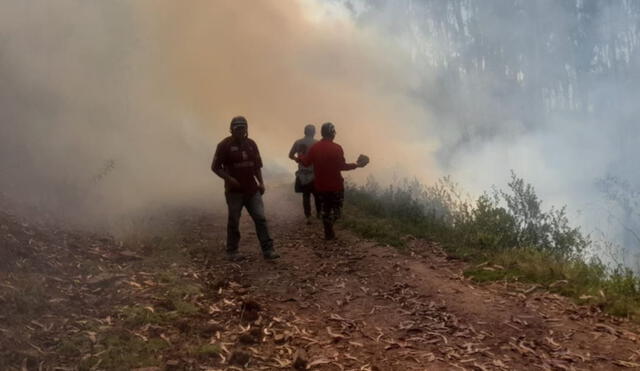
(328, 161)
(241, 161)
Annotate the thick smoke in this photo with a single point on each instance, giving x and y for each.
(288, 64)
(85, 134)
(113, 109)
(545, 88)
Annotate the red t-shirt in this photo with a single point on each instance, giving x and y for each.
(241, 161)
(328, 161)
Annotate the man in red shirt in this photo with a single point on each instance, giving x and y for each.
(328, 161)
(237, 161)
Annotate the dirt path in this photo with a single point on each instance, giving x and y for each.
(352, 304)
(174, 303)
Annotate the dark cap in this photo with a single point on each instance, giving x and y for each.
(238, 121)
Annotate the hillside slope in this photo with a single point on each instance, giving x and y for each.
(166, 299)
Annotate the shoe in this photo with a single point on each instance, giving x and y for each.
(309, 222)
(270, 254)
(329, 234)
(234, 256)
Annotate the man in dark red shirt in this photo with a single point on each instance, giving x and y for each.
(237, 161)
(328, 162)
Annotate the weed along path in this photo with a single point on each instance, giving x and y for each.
(167, 300)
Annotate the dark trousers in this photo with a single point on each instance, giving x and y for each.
(254, 205)
(306, 203)
(331, 211)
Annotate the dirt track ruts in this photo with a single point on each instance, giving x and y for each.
(364, 306)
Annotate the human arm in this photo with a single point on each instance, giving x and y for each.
(343, 163)
(293, 151)
(258, 171)
(258, 175)
(350, 166)
(306, 159)
(217, 166)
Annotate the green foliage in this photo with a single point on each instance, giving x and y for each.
(621, 293)
(491, 227)
(124, 350)
(115, 349)
(136, 316)
(497, 221)
(74, 346)
(407, 208)
(509, 228)
(535, 228)
(207, 350)
(30, 297)
(617, 291)
(383, 230)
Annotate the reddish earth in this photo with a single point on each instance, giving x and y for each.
(345, 305)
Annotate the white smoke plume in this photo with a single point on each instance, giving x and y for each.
(110, 109)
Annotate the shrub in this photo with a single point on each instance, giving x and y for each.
(507, 228)
(496, 221)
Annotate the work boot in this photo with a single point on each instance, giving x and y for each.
(270, 254)
(234, 256)
(309, 222)
(329, 234)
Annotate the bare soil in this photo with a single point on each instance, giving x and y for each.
(73, 300)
